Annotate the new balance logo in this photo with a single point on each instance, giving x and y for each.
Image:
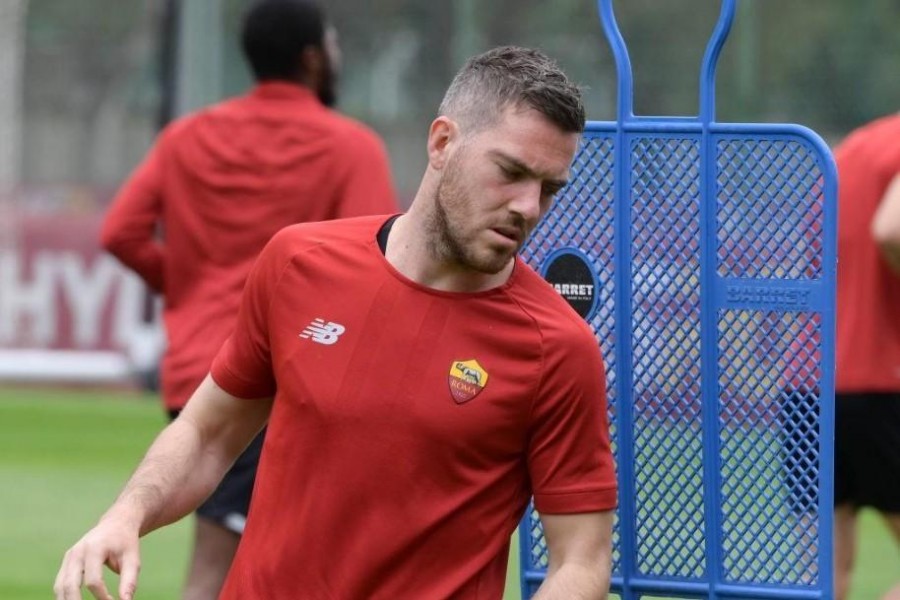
(322, 332)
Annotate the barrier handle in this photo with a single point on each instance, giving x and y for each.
(625, 88)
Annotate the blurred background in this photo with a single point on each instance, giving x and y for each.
(85, 86)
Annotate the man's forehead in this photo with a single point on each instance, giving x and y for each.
(537, 144)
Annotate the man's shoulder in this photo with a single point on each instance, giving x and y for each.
(552, 314)
(569, 348)
(872, 133)
(329, 126)
(887, 123)
(225, 105)
(301, 237)
(349, 130)
(191, 120)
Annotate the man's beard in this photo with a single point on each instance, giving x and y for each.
(447, 241)
(327, 91)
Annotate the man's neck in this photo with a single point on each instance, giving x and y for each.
(408, 251)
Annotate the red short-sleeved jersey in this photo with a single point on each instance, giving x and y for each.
(220, 183)
(868, 292)
(410, 426)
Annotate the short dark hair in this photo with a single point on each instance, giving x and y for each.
(512, 76)
(275, 33)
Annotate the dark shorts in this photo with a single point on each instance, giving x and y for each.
(229, 503)
(866, 450)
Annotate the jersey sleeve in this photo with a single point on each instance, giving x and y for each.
(243, 366)
(129, 228)
(365, 186)
(570, 461)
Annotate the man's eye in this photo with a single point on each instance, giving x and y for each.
(510, 174)
(550, 190)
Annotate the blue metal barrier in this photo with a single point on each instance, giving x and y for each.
(712, 251)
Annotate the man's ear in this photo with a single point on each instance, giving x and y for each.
(442, 137)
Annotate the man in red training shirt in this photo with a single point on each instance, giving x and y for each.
(220, 183)
(867, 410)
(420, 384)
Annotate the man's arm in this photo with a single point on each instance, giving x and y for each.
(580, 549)
(129, 229)
(886, 225)
(181, 468)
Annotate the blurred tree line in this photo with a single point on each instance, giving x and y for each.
(91, 86)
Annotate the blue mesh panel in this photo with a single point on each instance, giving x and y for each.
(714, 250)
(770, 210)
(755, 511)
(769, 441)
(666, 356)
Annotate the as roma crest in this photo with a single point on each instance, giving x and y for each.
(467, 378)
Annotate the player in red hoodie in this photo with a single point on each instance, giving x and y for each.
(218, 184)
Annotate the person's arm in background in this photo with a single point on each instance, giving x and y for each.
(580, 551)
(182, 467)
(366, 187)
(886, 225)
(129, 229)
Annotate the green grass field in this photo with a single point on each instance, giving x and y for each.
(65, 454)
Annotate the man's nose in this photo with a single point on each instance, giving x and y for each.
(527, 201)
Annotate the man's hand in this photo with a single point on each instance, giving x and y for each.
(113, 543)
(182, 467)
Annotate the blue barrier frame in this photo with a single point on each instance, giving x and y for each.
(715, 296)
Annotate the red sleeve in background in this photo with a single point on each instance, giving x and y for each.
(129, 230)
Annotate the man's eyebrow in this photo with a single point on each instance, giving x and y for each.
(518, 165)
